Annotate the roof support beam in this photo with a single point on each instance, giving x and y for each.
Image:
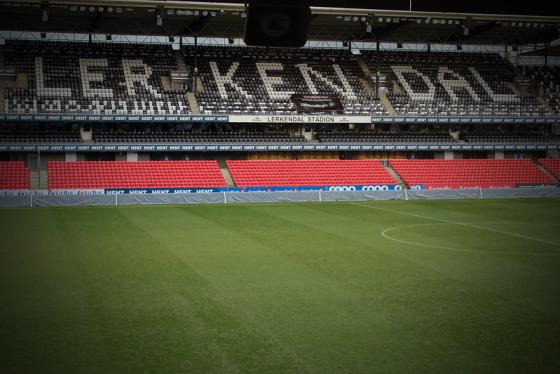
(171, 4)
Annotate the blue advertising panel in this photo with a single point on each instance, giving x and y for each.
(144, 191)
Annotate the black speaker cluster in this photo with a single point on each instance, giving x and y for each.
(273, 23)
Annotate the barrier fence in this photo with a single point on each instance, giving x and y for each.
(273, 197)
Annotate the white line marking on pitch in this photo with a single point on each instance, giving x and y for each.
(386, 236)
(461, 224)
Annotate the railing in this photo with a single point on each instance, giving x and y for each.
(273, 118)
(274, 197)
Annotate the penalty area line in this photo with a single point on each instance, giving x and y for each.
(461, 224)
(385, 234)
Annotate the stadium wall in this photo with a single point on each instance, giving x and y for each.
(272, 197)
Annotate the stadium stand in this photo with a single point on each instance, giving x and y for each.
(14, 175)
(110, 136)
(111, 78)
(243, 80)
(373, 137)
(492, 135)
(256, 173)
(49, 136)
(94, 78)
(552, 165)
(507, 133)
(438, 83)
(495, 138)
(547, 80)
(483, 173)
(142, 174)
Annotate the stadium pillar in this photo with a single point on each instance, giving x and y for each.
(499, 155)
(448, 155)
(377, 73)
(132, 156)
(70, 156)
(195, 69)
(377, 84)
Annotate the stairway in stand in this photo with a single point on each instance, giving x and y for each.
(225, 172)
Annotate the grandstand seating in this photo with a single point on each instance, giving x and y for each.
(552, 165)
(244, 80)
(191, 137)
(93, 78)
(122, 135)
(40, 137)
(547, 79)
(116, 78)
(421, 83)
(255, 173)
(14, 175)
(507, 133)
(142, 174)
(510, 138)
(484, 173)
(373, 137)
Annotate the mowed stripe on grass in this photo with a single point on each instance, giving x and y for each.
(280, 288)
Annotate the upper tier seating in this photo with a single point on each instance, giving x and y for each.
(14, 175)
(552, 165)
(308, 173)
(142, 174)
(93, 78)
(547, 79)
(421, 83)
(190, 137)
(481, 173)
(244, 80)
(117, 78)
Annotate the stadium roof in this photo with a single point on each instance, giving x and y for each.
(553, 51)
(390, 22)
(534, 7)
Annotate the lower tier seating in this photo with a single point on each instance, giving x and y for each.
(470, 173)
(552, 165)
(142, 174)
(309, 173)
(14, 175)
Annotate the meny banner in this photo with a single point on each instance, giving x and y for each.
(317, 104)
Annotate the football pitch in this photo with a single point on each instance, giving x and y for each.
(364, 287)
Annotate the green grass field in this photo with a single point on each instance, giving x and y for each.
(372, 287)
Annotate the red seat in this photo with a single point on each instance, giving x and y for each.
(270, 173)
(484, 173)
(142, 174)
(14, 175)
